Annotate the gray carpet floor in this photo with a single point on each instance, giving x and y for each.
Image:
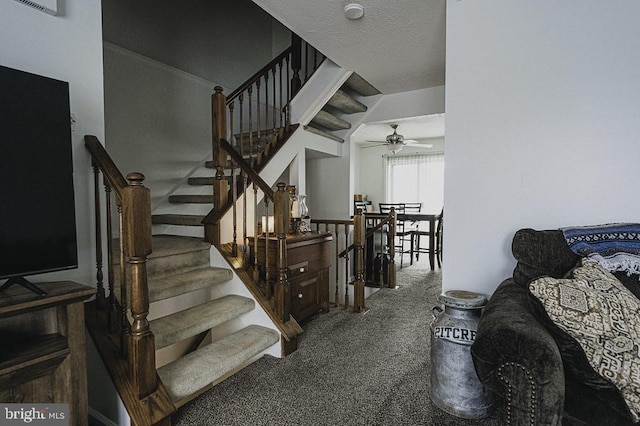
(349, 369)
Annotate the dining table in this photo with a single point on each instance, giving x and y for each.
(431, 218)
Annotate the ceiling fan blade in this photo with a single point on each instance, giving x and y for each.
(373, 146)
(417, 143)
(376, 141)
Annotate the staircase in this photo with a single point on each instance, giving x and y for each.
(334, 117)
(181, 325)
(178, 267)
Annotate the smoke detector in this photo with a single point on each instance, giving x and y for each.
(353, 11)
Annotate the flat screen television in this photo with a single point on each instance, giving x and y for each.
(37, 208)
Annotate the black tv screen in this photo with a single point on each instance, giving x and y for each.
(37, 209)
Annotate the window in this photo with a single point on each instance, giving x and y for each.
(416, 178)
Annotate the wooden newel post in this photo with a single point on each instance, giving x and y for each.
(281, 209)
(219, 157)
(281, 291)
(392, 250)
(137, 235)
(359, 233)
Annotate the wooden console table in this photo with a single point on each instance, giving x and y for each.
(308, 263)
(42, 347)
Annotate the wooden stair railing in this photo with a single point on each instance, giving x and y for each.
(258, 111)
(371, 225)
(255, 120)
(133, 363)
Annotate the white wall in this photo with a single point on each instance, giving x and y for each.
(158, 119)
(226, 42)
(68, 48)
(542, 126)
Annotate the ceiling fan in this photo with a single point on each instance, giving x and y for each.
(395, 142)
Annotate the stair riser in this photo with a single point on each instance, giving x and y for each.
(184, 220)
(193, 321)
(169, 265)
(192, 199)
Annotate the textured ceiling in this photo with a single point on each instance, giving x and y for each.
(421, 129)
(396, 46)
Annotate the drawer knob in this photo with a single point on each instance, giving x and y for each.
(299, 295)
(301, 269)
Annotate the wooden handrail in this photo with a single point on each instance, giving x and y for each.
(134, 208)
(106, 164)
(246, 168)
(259, 74)
(384, 219)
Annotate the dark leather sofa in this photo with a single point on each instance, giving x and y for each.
(516, 356)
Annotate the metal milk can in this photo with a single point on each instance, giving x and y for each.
(455, 387)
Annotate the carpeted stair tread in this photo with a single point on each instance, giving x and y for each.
(195, 320)
(200, 368)
(360, 85)
(330, 121)
(185, 282)
(169, 245)
(177, 219)
(172, 254)
(346, 103)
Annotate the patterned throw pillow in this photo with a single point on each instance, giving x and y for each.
(596, 310)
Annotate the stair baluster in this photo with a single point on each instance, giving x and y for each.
(100, 294)
(258, 122)
(346, 270)
(113, 316)
(251, 148)
(234, 208)
(125, 330)
(274, 107)
(256, 270)
(241, 118)
(358, 240)
(267, 144)
(245, 235)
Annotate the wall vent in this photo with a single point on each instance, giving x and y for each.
(46, 6)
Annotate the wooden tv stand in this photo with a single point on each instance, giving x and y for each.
(42, 347)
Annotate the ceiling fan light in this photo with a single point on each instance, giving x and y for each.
(394, 147)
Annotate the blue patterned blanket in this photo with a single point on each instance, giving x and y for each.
(616, 246)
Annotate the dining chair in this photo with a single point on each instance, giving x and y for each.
(412, 226)
(403, 233)
(437, 249)
(362, 205)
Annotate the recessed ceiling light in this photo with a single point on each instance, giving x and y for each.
(353, 11)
